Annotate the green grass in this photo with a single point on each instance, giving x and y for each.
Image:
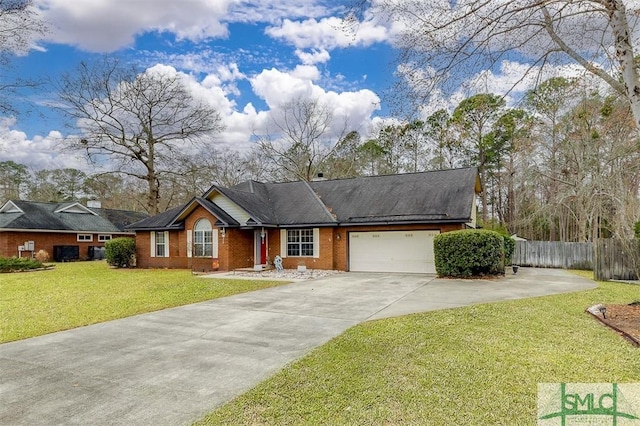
(478, 365)
(82, 293)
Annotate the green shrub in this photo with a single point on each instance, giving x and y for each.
(467, 253)
(121, 252)
(509, 248)
(12, 264)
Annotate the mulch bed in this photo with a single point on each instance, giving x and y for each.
(624, 319)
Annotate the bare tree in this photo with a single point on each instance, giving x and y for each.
(302, 139)
(147, 125)
(19, 24)
(446, 41)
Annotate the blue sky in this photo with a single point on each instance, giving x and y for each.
(245, 56)
(248, 56)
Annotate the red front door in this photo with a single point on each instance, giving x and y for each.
(263, 249)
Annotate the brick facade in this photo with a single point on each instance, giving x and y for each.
(10, 240)
(236, 249)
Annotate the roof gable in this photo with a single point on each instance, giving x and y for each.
(224, 219)
(76, 208)
(10, 207)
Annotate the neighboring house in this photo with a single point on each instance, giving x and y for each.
(67, 231)
(380, 224)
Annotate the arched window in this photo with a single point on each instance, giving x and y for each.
(203, 239)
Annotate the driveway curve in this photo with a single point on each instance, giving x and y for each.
(173, 366)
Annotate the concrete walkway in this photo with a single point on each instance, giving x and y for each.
(171, 367)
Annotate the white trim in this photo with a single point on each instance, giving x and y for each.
(76, 208)
(189, 243)
(165, 244)
(153, 243)
(316, 243)
(283, 243)
(214, 242)
(10, 207)
(83, 240)
(101, 237)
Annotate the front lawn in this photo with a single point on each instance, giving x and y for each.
(82, 293)
(478, 365)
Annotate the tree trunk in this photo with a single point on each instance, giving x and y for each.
(624, 54)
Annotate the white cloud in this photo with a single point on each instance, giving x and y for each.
(328, 33)
(316, 56)
(353, 109)
(106, 25)
(36, 153)
(512, 80)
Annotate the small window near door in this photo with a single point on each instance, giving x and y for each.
(85, 237)
(300, 242)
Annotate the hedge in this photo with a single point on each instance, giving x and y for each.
(469, 253)
(120, 252)
(11, 264)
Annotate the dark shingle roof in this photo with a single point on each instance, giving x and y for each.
(437, 196)
(120, 218)
(427, 197)
(160, 221)
(52, 217)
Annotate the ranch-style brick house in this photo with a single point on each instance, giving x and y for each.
(67, 231)
(377, 224)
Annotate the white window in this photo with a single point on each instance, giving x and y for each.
(161, 244)
(203, 239)
(85, 237)
(104, 237)
(300, 242)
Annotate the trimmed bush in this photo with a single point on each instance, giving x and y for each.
(42, 256)
(120, 252)
(469, 253)
(12, 264)
(509, 248)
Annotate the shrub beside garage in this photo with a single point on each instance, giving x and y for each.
(469, 253)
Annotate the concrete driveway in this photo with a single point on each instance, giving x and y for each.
(173, 366)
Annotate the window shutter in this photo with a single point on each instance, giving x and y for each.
(189, 243)
(283, 243)
(166, 243)
(153, 244)
(214, 243)
(316, 242)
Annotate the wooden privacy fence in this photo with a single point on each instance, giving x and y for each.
(616, 259)
(553, 254)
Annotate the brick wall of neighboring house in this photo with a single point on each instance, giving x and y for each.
(9, 242)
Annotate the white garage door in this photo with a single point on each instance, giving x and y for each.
(392, 251)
